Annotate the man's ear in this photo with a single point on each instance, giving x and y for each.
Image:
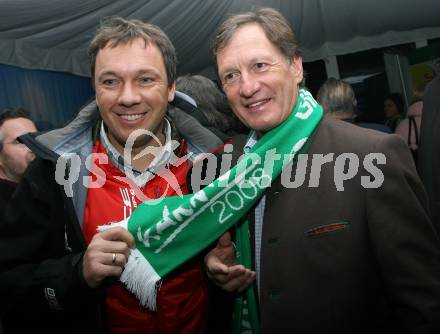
(297, 68)
(172, 91)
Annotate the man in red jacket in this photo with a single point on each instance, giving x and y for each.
(55, 266)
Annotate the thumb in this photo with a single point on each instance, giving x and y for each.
(225, 240)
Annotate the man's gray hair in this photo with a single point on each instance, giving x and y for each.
(337, 96)
(210, 101)
(274, 24)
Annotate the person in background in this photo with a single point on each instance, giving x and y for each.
(212, 108)
(324, 259)
(409, 127)
(393, 108)
(14, 156)
(338, 99)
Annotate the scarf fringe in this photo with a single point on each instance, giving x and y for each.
(122, 223)
(141, 279)
(138, 276)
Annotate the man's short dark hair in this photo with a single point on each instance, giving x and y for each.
(115, 31)
(398, 101)
(11, 113)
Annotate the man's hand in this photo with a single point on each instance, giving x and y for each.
(221, 268)
(107, 255)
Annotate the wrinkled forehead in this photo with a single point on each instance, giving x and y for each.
(248, 41)
(243, 33)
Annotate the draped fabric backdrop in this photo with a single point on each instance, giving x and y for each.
(51, 98)
(54, 35)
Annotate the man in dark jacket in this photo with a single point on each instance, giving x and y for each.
(337, 246)
(14, 156)
(57, 273)
(429, 156)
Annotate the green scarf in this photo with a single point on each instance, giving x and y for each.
(171, 230)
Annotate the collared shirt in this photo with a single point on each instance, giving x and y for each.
(259, 214)
(164, 156)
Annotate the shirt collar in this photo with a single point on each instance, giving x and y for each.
(164, 156)
(251, 141)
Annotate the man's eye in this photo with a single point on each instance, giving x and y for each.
(230, 77)
(146, 80)
(109, 82)
(260, 66)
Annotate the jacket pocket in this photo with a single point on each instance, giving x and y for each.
(324, 230)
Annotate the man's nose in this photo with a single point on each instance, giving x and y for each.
(248, 85)
(129, 95)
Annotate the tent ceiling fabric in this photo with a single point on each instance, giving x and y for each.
(54, 35)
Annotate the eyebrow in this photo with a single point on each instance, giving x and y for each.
(265, 58)
(105, 73)
(224, 72)
(252, 60)
(151, 70)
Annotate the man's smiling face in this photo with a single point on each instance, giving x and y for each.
(132, 91)
(260, 83)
